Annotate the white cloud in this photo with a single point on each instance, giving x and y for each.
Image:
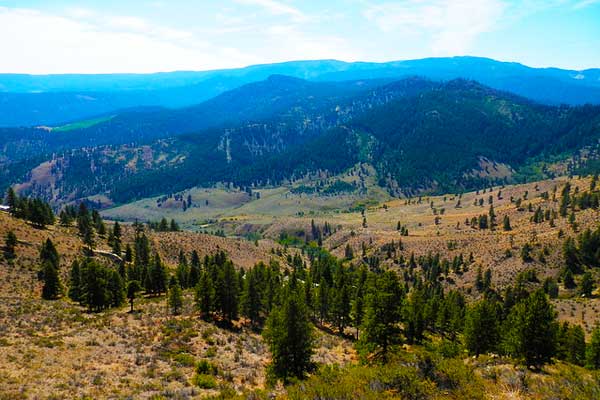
(45, 43)
(276, 8)
(450, 27)
(585, 3)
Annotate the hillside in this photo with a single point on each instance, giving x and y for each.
(150, 352)
(421, 137)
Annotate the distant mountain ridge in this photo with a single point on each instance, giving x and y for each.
(27, 100)
(420, 135)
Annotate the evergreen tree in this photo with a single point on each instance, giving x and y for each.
(9, 245)
(156, 281)
(175, 297)
(358, 304)
(227, 292)
(194, 276)
(348, 252)
(481, 331)
(251, 298)
(382, 315)
(75, 282)
(576, 345)
(592, 356)
(340, 307)
(587, 285)
(116, 238)
(205, 294)
(531, 330)
(506, 223)
(133, 287)
(12, 200)
(323, 300)
(289, 334)
(48, 253)
(526, 253)
(52, 288)
(414, 318)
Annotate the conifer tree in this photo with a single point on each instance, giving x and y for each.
(75, 282)
(290, 337)
(194, 276)
(341, 307)
(481, 331)
(175, 297)
(358, 304)
(52, 288)
(506, 223)
(587, 285)
(9, 245)
(228, 292)
(592, 356)
(116, 238)
(382, 315)
(531, 330)
(251, 298)
(576, 345)
(133, 287)
(205, 294)
(49, 253)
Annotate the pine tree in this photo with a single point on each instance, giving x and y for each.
(526, 253)
(75, 282)
(340, 307)
(116, 238)
(576, 345)
(592, 356)
(9, 245)
(290, 337)
(49, 254)
(348, 252)
(531, 330)
(587, 285)
(175, 297)
(133, 287)
(228, 292)
(506, 223)
(358, 304)
(52, 288)
(115, 288)
(157, 277)
(481, 331)
(323, 300)
(194, 276)
(12, 200)
(205, 294)
(251, 298)
(382, 315)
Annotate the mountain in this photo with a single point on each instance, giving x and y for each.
(421, 137)
(27, 100)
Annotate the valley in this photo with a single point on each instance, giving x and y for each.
(423, 229)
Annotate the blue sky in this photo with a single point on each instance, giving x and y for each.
(92, 36)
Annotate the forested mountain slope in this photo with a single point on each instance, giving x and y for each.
(421, 136)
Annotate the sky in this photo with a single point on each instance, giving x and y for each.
(107, 36)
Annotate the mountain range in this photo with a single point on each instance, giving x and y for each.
(420, 135)
(31, 100)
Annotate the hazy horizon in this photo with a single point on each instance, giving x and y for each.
(145, 36)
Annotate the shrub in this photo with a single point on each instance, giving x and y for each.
(204, 381)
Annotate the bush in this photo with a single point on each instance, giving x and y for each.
(204, 381)
(184, 359)
(205, 367)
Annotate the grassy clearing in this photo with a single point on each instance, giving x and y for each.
(82, 124)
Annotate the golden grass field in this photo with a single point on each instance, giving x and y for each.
(54, 349)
